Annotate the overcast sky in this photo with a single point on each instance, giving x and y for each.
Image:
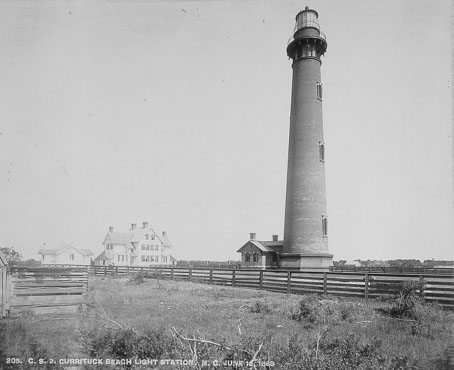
(177, 113)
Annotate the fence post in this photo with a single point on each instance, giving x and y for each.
(261, 280)
(190, 274)
(171, 273)
(105, 270)
(211, 276)
(325, 283)
(289, 280)
(116, 270)
(421, 283)
(366, 287)
(233, 277)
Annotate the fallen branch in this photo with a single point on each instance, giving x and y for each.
(208, 342)
(106, 317)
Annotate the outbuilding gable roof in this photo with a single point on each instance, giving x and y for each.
(264, 246)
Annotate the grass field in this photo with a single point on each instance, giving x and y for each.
(205, 326)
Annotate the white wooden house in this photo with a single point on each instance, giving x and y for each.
(65, 255)
(136, 247)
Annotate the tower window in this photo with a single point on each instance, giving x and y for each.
(319, 90)
(321, 149)
(325, 226)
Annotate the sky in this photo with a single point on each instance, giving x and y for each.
(177, 113)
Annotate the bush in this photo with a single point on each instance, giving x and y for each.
(344, 353)
(260, 307)
(308, 309)
(407, 303)
(128, 344)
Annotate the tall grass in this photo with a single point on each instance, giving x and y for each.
(149, 317)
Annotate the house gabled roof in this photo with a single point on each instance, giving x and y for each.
(86, 252)
(118, 238)
(264, 246)
(136, 235)
(102, 256)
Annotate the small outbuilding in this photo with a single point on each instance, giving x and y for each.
(261, 254)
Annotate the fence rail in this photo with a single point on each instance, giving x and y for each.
(48, 290)
(434, 287)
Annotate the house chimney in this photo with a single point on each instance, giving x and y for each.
(133, 226)
(275, 238)
(145, 225)
(110, 229)
(252, 236)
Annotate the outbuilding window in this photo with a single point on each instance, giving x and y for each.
(247, 257)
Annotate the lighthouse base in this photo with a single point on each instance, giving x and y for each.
(306, 261)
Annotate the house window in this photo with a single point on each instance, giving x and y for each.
(118, 258)
(247, 257)
(321, 149)
(255, 257)
(164, 258)
(152, 237)
(325, 226)
(71, 256)
(147, 236)
(319, 90)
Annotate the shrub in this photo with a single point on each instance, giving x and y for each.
(308, 309)
(407, 302)
(137, 279)
(128, 343)
(344, 353)
(260, 307)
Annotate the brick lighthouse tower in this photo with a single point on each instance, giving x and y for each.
(306, 223)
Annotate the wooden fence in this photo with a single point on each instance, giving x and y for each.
(5, 287)
(434, 287)
(48, 290)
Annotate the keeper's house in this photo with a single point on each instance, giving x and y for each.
(261, 254)
(65, 255)
(137, 247)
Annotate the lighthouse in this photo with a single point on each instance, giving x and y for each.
(306, 219)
